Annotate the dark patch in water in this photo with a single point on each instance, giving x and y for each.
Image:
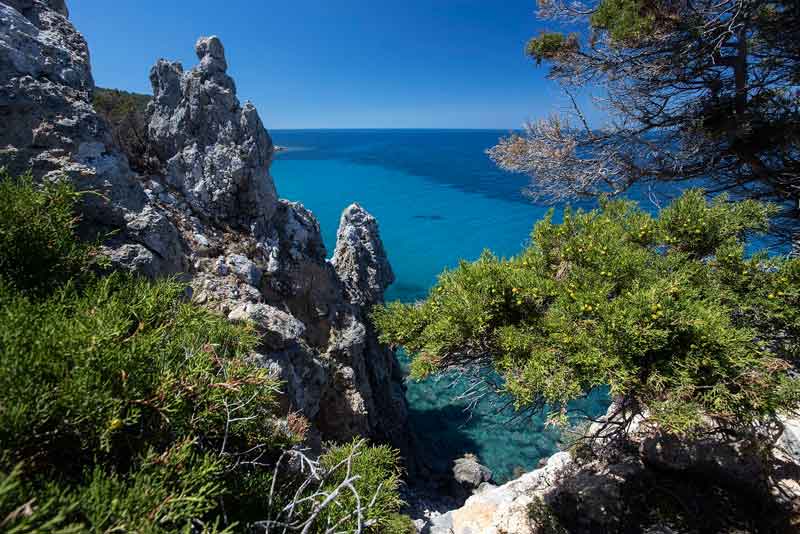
(441, 450)
(429, 217)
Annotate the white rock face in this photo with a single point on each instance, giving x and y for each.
(504, 509)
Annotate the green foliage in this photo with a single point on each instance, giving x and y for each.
(378, 478)
(167, 493)
(668, 312)
(118, 105)
(20, 514)
(121, 388)
(37, 249)
(626, 21)
(125, 408)
(135, 365)
(546, 46)
(400, 524)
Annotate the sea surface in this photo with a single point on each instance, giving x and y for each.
(438, 199)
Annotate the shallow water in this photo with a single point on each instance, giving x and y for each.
(438, 199)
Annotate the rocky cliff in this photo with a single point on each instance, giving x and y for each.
(208, 211)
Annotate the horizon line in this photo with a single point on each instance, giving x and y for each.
(369, 128)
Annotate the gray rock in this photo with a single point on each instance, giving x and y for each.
(214, 150)
(359, 258)
(279, 328)
(202, 241)
(469, 474)
(50, 127)
(440, 524)
(504, 509)
(789, 440)
(244, 268)
(213, 197)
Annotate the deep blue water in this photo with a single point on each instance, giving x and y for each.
(438, 199)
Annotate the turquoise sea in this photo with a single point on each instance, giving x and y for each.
(438, 199)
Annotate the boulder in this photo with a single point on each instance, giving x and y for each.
(244, 268)
(469, 475)
(278, 328)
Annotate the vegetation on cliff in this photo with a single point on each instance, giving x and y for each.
(127, 408)
(126, 113)
(669, 312)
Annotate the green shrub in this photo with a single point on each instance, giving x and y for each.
(669, 313)
(377, 485)
(400, 524)
(545, 46)
(626, 21)
(124, 407)
(38, 251)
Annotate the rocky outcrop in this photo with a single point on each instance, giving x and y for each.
(216, 153)
(504, 509)
(469, 476)
(50, 128)
(211, 213)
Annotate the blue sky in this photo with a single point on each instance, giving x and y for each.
(339, 63)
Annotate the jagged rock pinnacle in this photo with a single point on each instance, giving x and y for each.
(214, 150)
(360, 259)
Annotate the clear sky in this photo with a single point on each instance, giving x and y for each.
(339, 63)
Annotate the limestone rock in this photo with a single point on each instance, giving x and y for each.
(497, 510)
(789, 441)
(244, 268)
(279, 328)
(359, 258)
(214, 150)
